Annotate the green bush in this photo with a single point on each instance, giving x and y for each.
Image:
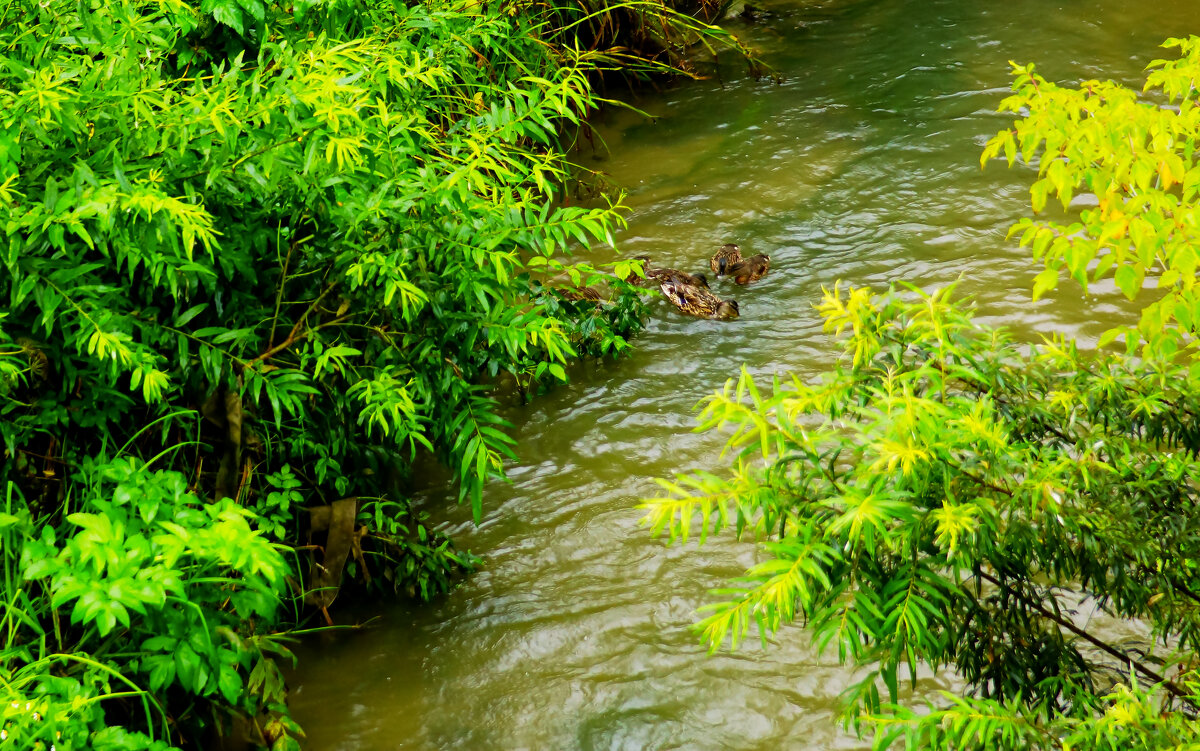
(264, 255)
(947, 497)
(344, 232)
(185, 588)
(1135, 157)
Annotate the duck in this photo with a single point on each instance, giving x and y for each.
(655, 276)
(576, 294)
(727, 256)
(699, 301)
(675, 276)
(750, 270)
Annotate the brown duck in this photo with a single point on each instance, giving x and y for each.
(699, 301)
(750, 270)
(656, 276)
(576, 294)
(727, 256)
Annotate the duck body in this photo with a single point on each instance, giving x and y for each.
(750, 270)
(662, 276)
(655, 277)
(699, 301)
(729, 255)
(576, 294)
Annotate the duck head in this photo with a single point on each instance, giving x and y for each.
(727, 309)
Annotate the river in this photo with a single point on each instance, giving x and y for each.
(863, 166)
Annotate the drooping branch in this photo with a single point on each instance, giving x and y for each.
(1173, 688)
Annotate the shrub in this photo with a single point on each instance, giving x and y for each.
(946, 497)
(186, 589)
(274, 252)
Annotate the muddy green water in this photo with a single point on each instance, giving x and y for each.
(862, 166)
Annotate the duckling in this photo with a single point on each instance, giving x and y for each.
(656, 276)
(750, 270)
(727, 256)
(699, 302)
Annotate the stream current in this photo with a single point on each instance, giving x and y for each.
(861, 166)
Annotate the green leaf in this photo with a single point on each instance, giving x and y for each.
(1129, 280)
(1045, 281)
(228, 12)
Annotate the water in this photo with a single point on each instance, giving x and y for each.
(861, 166)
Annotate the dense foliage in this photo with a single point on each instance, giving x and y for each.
(949, 498)
(147, 567)
(260, 261)
(1134, 163)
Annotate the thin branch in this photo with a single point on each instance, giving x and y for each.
(983, 483)
(296, 334)
(1173, 688)
(287, 261)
